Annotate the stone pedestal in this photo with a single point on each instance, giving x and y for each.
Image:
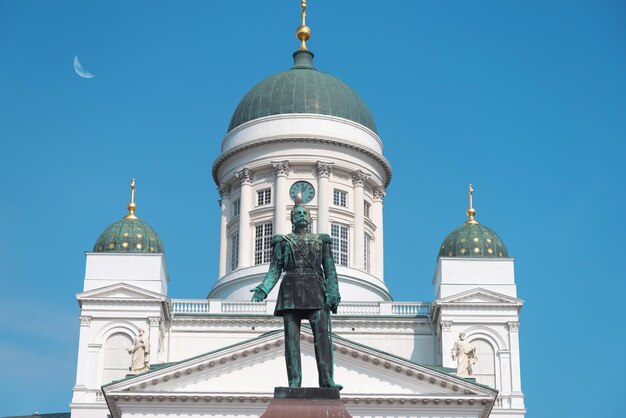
(306, 403)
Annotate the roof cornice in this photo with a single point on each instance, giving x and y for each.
(267, 141)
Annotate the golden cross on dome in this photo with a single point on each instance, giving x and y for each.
(132, 206)
(470, 211)
(303, 33)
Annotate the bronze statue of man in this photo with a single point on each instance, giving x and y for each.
(309, 290)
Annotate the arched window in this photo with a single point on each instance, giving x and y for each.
(116, 358)
(484, 369)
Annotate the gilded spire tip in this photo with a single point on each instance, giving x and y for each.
(303, 33)
(471, 212)
(132, 206)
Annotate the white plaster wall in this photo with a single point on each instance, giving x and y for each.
(412, 339)
(456, 275)
(146, 271)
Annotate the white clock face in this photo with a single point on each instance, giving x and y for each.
(304, 187)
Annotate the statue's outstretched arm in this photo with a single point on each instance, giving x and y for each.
(272, 275)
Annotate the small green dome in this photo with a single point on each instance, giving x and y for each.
(302, 89)
(129, 235)
(473, 240)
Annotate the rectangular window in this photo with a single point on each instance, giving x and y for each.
(340, 198)
(339, 234)
(234, 252)
(263, 243)
(264, 197)
(367, 256)
(236, 206)
(366, 209)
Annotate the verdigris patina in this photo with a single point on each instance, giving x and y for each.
(309, 290)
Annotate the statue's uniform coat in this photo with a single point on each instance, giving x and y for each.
(305, 286)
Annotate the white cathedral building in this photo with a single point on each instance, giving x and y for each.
(298, 131)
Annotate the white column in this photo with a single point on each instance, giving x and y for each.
(358, 183)
(517, 401)
(226, 211)
(377, 219)
(505, 370)
(82, 366)
(245, 206)
(323, 196)
(446, 343)
(155, 331)
(281, 194)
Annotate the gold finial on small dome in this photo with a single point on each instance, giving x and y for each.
(132, 206)
(303, 33)
(470, 211)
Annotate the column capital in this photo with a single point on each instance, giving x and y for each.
(155, 321)
(446, 326)
(224, 191)
(323, 169)
(85, 320)
(358, 178)
(244, 176)
(513, 326)
(281, 168)
(379, 194)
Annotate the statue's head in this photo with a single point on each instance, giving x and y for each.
(462, 336)
(300, 216)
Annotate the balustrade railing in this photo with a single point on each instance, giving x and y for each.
(190, 306)
(244, 307)
(210, 306)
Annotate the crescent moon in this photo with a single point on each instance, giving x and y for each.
(80, 70)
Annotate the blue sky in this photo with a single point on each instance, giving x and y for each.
(527, 100)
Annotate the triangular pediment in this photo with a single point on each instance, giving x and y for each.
(480, 296)
(120, 291)
(257, 366)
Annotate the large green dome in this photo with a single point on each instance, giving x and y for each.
(129, 235)
(473, 240)
(302, 89)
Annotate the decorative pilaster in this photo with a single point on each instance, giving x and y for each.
(225, 206)
(155, 330)
(446, 326)
(516, 378)
(323, 170)
(82, 367)
(377, 219)
(245, 206)
(358, 183)
(281, 225)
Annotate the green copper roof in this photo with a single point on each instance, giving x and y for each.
(129, 236)
(302, 89)
(473, 240)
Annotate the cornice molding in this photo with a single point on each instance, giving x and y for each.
(267, 141)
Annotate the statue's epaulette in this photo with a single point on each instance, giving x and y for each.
(276, 239)
(326, 238)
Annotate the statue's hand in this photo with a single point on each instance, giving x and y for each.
(332, 302)
(259, 295)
